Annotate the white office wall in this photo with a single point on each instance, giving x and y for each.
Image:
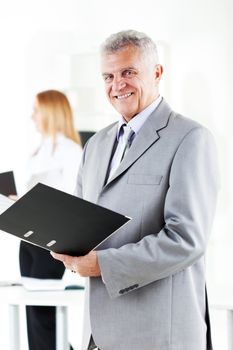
(54, 44)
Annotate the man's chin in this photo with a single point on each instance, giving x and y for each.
(124, 112)
(127, 116)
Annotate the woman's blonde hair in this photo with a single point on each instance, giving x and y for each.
(56, 114)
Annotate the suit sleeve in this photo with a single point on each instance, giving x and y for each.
(188, 213)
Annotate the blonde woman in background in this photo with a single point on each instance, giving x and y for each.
(54, 163)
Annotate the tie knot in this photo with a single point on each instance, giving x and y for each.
(127, 133)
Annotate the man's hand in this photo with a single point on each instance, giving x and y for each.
(85, 266)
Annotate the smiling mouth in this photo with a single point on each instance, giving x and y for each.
(122, 97)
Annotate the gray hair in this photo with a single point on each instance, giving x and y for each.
(127, 38)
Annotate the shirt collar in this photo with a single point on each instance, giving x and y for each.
(137, 122)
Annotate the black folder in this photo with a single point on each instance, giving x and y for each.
(7, 183)
(60, 222)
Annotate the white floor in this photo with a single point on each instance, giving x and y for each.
(219, 329)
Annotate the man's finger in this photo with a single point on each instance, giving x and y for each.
(61, 257)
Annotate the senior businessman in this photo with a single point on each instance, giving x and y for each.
(146, 286)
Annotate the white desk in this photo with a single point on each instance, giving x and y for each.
(17, 296)
(221, 298)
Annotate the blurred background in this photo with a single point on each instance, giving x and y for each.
(53, 44)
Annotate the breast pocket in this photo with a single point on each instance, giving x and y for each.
(143, 179)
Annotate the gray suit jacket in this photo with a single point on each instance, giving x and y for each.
(153, 295)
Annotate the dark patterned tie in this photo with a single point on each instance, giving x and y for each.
(128, 138)
(121, 149)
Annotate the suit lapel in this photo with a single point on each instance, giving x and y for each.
(147, 136)
(105, 151)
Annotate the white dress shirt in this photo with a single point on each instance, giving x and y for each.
(55, 167)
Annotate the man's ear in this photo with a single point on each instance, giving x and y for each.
(158, 72)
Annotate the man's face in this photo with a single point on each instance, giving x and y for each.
(37, 117)
(131, 80)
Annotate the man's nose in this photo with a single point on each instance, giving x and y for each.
(118, 83)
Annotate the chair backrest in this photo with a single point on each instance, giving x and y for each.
(85, 135)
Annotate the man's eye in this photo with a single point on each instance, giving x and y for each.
(107, 78)
(128, 73)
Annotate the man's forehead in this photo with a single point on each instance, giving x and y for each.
(120, 60)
